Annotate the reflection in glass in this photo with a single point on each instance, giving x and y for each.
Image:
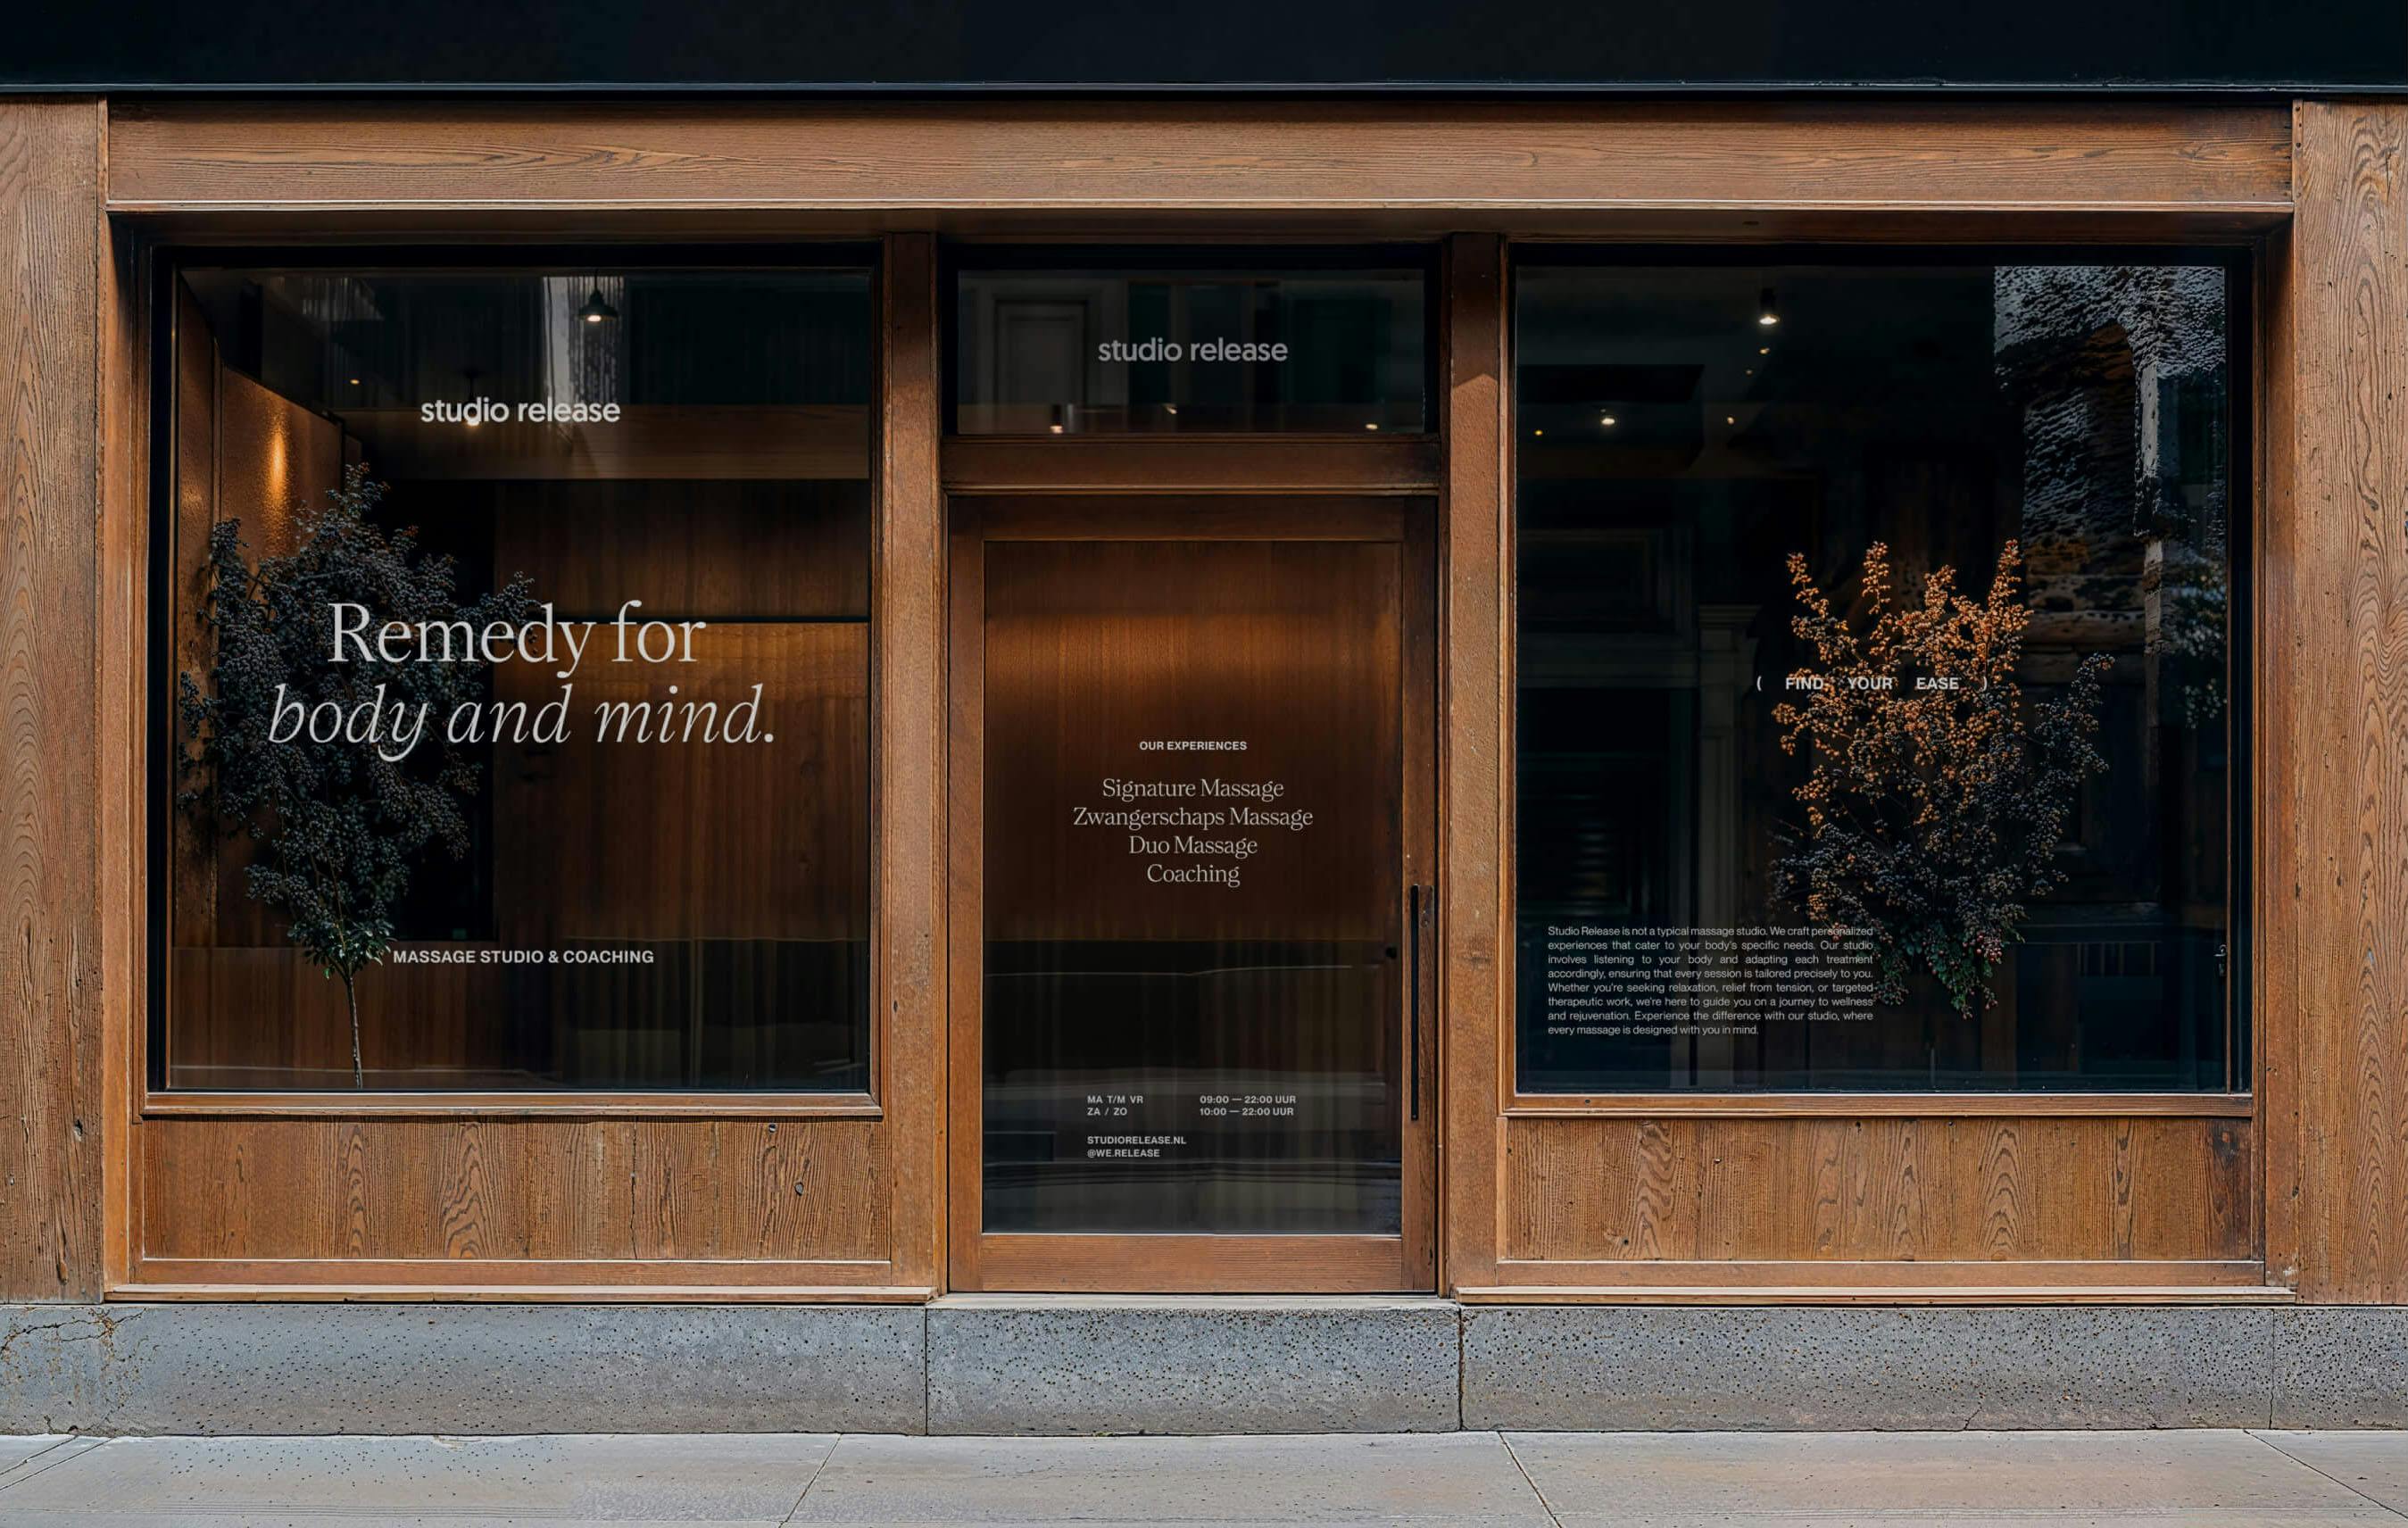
(1873, 715)
(1189, 350)
(678, 447)
(1192, 981)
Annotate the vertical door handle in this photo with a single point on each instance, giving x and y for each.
(1417, 902)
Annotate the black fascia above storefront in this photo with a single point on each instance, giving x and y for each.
(1269, 46)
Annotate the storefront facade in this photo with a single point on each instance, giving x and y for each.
(1631, 717)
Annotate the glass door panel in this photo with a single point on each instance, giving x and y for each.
(1204, 759)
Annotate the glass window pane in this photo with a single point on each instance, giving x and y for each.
(1875, 722)
(1191, 964)
(1197, 348)
(519, 623)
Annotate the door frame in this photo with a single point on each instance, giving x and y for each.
(1075, 1262)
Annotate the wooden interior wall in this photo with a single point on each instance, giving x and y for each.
(256, 458)
(51, 914)
(2333, 703)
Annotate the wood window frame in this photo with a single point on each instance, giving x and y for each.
(1482, 1233)
(1040, 1262)
(1468, 173)
(159, 261)
(1026, 475)
(2243, 260)
(907, 574)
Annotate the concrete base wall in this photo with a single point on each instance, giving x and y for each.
(1181, 1365)
(1614, 1368)
(274, 1368)
(1099, 1365)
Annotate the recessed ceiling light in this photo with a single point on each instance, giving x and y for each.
(1766, 313)
(1606, 421)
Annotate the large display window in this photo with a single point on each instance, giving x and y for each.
(1876, 709)
(514, 655)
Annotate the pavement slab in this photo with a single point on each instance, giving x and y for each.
(689, 1478)
(1762, 1479)
(2188, 1518)
(2133, 1479)
(1454, 1478)
(17, 1449)
(2373, 1464)
(22, 1458)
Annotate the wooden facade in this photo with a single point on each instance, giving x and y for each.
(2296, 1189)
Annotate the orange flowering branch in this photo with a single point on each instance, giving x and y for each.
(1935, 797)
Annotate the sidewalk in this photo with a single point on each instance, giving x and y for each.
(1588, 1479)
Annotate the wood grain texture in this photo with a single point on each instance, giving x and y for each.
(1051, 600)
(470, 1195)
(2273, 965)
(50, 942)
(2337, 695)
(515, 1190)
(1896, 1284)
(2220, 1279)
(1393, 463)
(965, 942)
(1995, 1193)
(556, 1104)
(1880, 1191)
(1866, 1105)
(907, 693)
(274, 460)
(1115, 156)
(193, 859)
(718, 549)
(1475, 730)
(1736, 223)
(249, 455)
(261, 1280)
(123, 690)
(659, 443)
(608, 841)
(1222, 1264)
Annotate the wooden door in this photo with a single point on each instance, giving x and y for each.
(1191, 788)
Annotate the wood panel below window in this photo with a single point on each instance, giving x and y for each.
(1595, 1197)
(497, 1202)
